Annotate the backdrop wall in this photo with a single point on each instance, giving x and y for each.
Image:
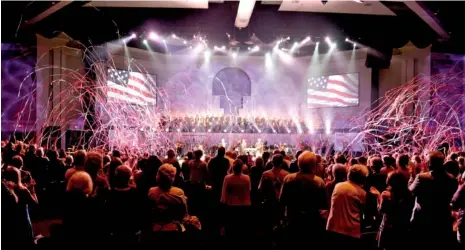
(186, 82)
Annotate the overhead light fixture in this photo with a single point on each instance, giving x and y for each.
(294, 46)
(244, 12)
(153, 36)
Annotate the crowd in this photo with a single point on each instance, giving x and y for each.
(235, 124)
(108, 199)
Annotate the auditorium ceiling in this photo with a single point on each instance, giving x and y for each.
(381, 25)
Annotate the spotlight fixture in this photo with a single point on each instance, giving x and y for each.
(244, 12)
(153, 36)
(223, 47)
(256, 48)
(145, 41)
(327, 39)
(184, 42)
(355, 45)
(248, 48)
(206, 54)
(234, 54)
(133, 35)
(173, 35)
(347, 39)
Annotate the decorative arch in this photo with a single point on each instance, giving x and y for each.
(231, 84)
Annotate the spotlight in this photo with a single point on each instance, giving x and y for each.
(225, 130)
(288, 38)
(294, 47)
(308, 38)
(234, 54)
(355, 45)
(164, 40)
(347, 39)
(256, 48)
(327, 39)
(206, 54)
(133, 35)
(184, 42)
(167, 130)
(145, 41)
(248, 48)
(209, 130)
(153, 36)
(190, 47)
(179, 130)
(173, 35)
(333, 45)
(223, 47)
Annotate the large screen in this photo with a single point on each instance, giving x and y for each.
(131, 87)
(333, 91)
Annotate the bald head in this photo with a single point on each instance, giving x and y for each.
(307, 162)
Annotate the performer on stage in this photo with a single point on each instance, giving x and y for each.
(242, 146)
(259, 148)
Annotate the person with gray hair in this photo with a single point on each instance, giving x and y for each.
(165, 178)
(339, 174)
(303, 196)
(347, 203)
(169, 210)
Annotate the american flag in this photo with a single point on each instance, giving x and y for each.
(129, 87)
(333, 91)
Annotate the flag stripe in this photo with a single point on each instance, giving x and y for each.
(342, 86)
(329, 98)
(124, 93)
(126, 98)
(336, 92)
(323, 94)
(322, 103)
(129, 91)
